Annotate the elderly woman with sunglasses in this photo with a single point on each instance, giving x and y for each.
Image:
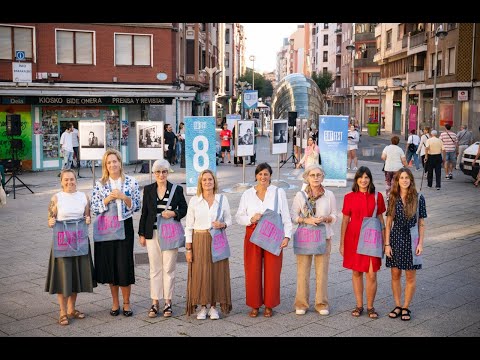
(322, 209)
(162, 262)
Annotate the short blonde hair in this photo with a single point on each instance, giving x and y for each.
(199, 183)
(309, 169)
(160, 164)
(105, 174)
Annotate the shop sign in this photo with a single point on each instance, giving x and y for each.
(94, 100)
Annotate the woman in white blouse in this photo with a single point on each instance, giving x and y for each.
(395, 159)
(324, 208)
(208, 282)
(422, 146)
(253, 204)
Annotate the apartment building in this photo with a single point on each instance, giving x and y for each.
(117, 74)
(415, 64)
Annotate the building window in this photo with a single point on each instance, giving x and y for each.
(379, 43)
(227, 36)
(325, 25)
(325, 70)
(389, 39)
(451, 61)
(74, 47)
(439, 64)
(190, 56)
(325, 40)
(325, 56)
(13, 39)
(373, 79)
(227, 59)
(227, 83)
(133, 49)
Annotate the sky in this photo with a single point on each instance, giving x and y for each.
(264, 40)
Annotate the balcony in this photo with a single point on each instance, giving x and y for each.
(417, 43)
(359, 63)
(366, 36)
(415, 76)
(404, 42)
(338, 29)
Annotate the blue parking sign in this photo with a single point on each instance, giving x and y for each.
(19, 55)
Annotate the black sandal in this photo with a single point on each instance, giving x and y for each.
(396, 314)
(152, 313)
(357, 311)
(167, 310)
(406, 316)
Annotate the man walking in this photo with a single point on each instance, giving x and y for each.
(75, 144)
(67, 147)
(449, 139)
(225, 136)
(411, 148)
(465, 139)
(433, 157)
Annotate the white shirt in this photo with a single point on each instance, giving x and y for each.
(415, 139)
(355, 135)
(250, 204)
(70, 206)
(423, 143)
(326, 205)
(66, 141)
(200, 216)
(394, 157)
(117, 184)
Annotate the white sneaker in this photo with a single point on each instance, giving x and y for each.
(202, 314)
(300, 312)
(355, 168)
(213, 313)
(324, 312)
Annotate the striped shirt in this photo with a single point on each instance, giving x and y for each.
(449, 139)
(161, 205)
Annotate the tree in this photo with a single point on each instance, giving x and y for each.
(262, 85)
(324, 81)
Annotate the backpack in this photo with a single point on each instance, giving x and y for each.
(411, 147)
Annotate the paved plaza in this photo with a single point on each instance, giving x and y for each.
(446, 302)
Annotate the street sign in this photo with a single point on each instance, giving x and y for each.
(22, 72)
(19, 55)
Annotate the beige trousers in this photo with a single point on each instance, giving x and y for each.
(304, 263)
(162, 269)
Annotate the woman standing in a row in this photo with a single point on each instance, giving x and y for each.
(114, 263)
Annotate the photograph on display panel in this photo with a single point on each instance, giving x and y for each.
(150, 140)
(298, 132)
(244, 141)
(280, 137)
(92, 139)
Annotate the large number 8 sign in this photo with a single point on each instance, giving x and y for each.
(200, 153)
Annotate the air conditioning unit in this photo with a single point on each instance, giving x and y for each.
(53, 75)
(42, 75)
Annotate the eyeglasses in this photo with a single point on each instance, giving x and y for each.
(315, 175)
(158, 172)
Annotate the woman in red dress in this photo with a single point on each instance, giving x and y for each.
(358, 204)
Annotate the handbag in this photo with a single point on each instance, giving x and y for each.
(370, 242)
(309, 239)
(70, 238)
(415, 236)
(269, 233)
(170, 233)
(220, 246)
(106, 225)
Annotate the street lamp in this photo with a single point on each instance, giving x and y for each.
(379, 89)
(407, 109)
(211, 73)
(440, 33)
(242, 85)
(351, 48)
(252, 59)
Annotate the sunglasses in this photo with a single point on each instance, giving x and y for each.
(158, 172)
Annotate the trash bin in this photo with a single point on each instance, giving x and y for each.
(372, 129)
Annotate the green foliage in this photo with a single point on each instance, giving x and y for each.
(323, 80)
(264, 86)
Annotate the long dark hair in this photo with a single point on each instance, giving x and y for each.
(363, 170)
(411, 198)
(261, 167)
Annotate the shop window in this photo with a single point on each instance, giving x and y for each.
(51, 137)
(74, 47)
(113, 130)
(14, 38)
(133, 49)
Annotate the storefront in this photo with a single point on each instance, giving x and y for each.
(44, 118)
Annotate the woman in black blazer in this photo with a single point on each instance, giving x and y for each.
(162, 262)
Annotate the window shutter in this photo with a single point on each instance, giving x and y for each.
(5, 43)
(142, 50)
(64, 47)
(22, 38)
(84, 47)
(123, 50)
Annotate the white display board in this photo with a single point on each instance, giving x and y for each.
(149, 140)
(91, 135)
(244, 142)
(280, 136)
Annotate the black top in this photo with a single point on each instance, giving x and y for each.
(149, 208)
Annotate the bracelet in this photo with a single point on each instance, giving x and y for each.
(387, 244)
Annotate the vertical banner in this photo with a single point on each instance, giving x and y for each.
(412, 122)
(244, 143)
(150, 140)
(298, 133)
(231, 118)
(305, 133)
(280, 136)
(199, 148)
(332, 141)
(250, 99)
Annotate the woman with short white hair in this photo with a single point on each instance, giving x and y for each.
(162, 262)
